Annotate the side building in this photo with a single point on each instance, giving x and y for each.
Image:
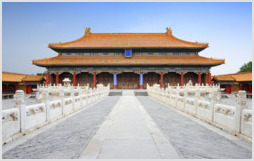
(235, 82)
(128, 60)
(14, 81)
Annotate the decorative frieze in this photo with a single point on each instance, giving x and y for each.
(135, 69)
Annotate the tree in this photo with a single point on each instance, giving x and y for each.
(41, 74)
(246, 67)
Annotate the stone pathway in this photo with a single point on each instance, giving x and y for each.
(129, 133)
(67, 139)
(191, 139)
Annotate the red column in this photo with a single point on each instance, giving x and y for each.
(199, 78)
(47, 78)
(28, 89)
(7, 91)
(181, 78)
(16, 87)
(250, 90)
(57, 78)
(161, 79)
(209, 78)
(94, 79)
(74, 78)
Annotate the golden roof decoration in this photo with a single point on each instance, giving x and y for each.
(87, 31)
(169, 31)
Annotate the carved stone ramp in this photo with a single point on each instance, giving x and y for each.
(193, 138)
(65, 140)
(129, 133)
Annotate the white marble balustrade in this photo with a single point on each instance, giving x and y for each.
(55, 103)
(203, 102)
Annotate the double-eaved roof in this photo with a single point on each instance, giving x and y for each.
(128, 41)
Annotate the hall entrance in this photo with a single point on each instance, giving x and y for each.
(128, 80)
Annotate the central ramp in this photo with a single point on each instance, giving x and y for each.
(129, 133)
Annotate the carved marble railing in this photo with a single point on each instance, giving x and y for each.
(203, 102)
(10, 123)
(55, 110)
(246, 120)
(23, 119)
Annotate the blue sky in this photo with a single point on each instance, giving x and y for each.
(28, 28)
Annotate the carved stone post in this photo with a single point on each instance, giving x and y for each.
(72, 98)
(215, 96)
(241, 104)
(185, 96)
(46, 99)
(20, 103)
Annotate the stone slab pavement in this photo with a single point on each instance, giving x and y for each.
(129, 133)
(191, 139)
(67, 139)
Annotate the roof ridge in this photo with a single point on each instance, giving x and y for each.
(96, 36)
(14, 73)
(233, 74)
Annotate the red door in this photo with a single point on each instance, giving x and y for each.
(228, 89)
(28, 89)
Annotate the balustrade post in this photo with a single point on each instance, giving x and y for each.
(185, 96)
(215, 98)
(241, 104)
(20, 103)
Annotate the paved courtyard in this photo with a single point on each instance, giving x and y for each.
(128, 127)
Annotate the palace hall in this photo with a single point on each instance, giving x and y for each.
(128, 60)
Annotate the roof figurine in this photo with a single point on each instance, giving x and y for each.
(169, 31)
(87, 31)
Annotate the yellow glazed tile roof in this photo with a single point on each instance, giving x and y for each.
(128, 40)
(121, 60)
(18, 77)
(239, 77)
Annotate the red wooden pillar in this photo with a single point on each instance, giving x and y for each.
(74, 78)
(15, 87)
(94, 79)
(161, 80)
(7, 90)
(47, 78)
(250, 88)
(209, 78)
(199, 78)
(28, 89)
(241, 87)
(181, 78)
(57, 78)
